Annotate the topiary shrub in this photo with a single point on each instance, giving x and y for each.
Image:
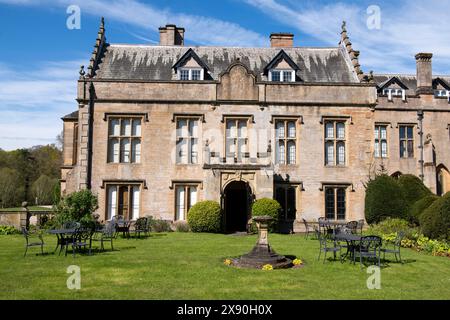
(413, 188)
(384, 198)
(435, 220)
(266, 207)
(205, 216)
(419, 207)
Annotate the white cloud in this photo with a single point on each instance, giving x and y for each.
(33, 102)
(199, 29)
(407, 27)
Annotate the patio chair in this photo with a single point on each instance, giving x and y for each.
(139, 226)
(369, 248)
(69, 225)
(307, 228)
(352, 226)
(396, 248)
(325, 246)
(82, 238)
(106, 234)
(361, 225)
(123, 226)
(31, 240)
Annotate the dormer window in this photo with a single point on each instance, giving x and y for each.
(191, 68)
(281, 69)
(442, 93)
(190, 74)
(282, 75)
(390, 93)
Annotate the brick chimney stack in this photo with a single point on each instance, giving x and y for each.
(281, 40)
(171, 35)
(424, 73)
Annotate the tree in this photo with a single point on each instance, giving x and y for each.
(43, 189)
(11, 190)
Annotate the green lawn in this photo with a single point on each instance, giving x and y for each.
(190, 266)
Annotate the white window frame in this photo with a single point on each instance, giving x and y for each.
(202, 73)
(128, 155)
(283, 75)
(190, 140)
(391, 93)
(187, 202)
(380, 140)
(336, 143)
(442, 93)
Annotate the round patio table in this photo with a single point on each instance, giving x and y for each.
(63, 236)
(351, 240)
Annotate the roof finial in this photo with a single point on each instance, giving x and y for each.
(344, 25)
(82, 73)
(102, 22)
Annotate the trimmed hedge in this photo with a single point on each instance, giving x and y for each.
(413, 188)
(205, 216)
(266, 207)
(420, 206)
(435, 220)
(384, 198)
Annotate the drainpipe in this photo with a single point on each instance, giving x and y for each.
(421, 161)
(90, 136)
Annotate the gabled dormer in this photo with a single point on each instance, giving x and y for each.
(191, 68)
(281, 69)
(441, 88)
(391, 88)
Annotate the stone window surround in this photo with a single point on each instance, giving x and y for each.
(236, 117)
(175, 184)
(122, 116)
(336, 119)
(118, 183)
(387, 125)
(407, 124)
(298, 120)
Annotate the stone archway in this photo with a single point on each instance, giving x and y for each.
(442, 180)
(237, 201)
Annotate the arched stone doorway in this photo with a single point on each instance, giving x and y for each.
(237, 200)
(443, 180)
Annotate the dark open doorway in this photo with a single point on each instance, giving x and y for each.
(237, 198)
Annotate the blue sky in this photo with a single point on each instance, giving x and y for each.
(40, 56)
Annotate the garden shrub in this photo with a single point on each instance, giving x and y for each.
(266, 207)
(384, 198)
(205, 216)
(391, 226)
(78, 206)
(7, 230)
(413, 188)
(181, 226)
(435, 220)
(158, 225)
(420, 206)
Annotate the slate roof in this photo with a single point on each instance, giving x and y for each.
(71, 116)
(408, 80)
(146, 62)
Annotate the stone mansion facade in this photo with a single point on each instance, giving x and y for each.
(160, 127)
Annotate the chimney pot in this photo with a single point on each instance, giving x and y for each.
(424, 73)
(281, 40)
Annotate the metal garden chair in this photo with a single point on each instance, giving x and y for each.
(82, 238)
(396, 248)
(139, 226)
(369, 248)
(361, 225)
(352, 226)
(307, 228)
(108, 233)
(325, 246)
(31, 240)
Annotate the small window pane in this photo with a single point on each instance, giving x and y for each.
(403, 149)
(193, 128)
(287, 76)
(377, 131)
(182, 151)
(329, 153)
(114, 127)
(410, 132)
(276, 76)
(329, 203)
(280, 129)
(329, 130)
(242, 132)
(135, 202)
(281, 152)
(192, 196)
(291, 150)
(126, 127)
(341, 153)
(231, 129)
(179, 203)
(340, 204)
(112, 202)
(196, 74)
(136, 127)
(377, 149)
(410, 149)
(184, 74)
(113, 155)
(194, 151)
(182, 130)
(402, 132)
(383, 133)
(291, 129)
(125, 150)
(340, 127)
(136, 150)
(384, 149)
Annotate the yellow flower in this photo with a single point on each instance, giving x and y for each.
(227, 262)
(297, 262)
(267, 267)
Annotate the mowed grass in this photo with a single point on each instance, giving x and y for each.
(190, 266)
